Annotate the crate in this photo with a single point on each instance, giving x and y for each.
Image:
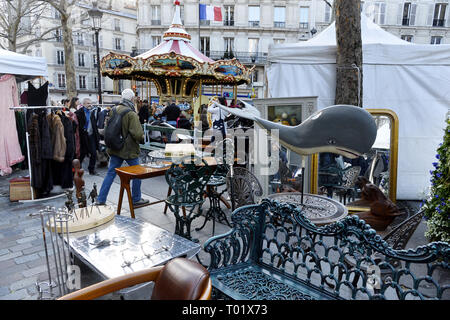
(19, 189)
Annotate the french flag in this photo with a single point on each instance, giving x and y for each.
(208, 12)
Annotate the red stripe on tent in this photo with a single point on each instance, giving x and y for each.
(175, 47)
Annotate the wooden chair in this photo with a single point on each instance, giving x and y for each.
(179, 279)
(347, 188)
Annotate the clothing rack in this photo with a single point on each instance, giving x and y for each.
(22, 107)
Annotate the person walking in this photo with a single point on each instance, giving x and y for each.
(132, 130)
(89, 137)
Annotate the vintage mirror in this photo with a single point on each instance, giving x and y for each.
(288, 111)
(337, 175)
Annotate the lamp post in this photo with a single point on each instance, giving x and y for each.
(96, 16)
(313, 32)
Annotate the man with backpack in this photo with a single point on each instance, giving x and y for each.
(123, 133)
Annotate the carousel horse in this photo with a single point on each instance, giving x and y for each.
(382, 210)
(342, 129)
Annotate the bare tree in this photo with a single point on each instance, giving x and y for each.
(349, 52)
(64, 8)
(19, 24)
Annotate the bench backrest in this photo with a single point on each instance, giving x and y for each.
(346, 259)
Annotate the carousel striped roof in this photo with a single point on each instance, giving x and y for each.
(176, 40)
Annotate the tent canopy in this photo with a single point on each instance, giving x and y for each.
(412, 80)
(22, 66)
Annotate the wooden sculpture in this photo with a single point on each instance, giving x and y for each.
(382, 210)
(78, 177)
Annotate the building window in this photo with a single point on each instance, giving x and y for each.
(327, 17)
(58, 35)
(228, 45)
(182, 14)
(204, 45)
(436, 40)
(229, 16)
(79, 38)
(60, 56)
(254, 76)
(156, 15)
(439, 14)
(304, 13)
(117, 25)
(253, 16)
(118, 44)
(279, 17)
(82, 82)
(406, 37)
(253, 46)
(61, 80)
(278, 41)
(379, 12)
(81, 59)
(95, 83)
(409, 14)
(56, 13)
(156, 40)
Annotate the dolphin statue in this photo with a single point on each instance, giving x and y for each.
(342, 129)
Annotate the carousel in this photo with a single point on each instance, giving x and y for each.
(176, 68)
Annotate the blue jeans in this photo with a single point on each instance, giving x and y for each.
(116, 162)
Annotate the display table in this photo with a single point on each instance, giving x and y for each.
(134, 245)
(318, 209)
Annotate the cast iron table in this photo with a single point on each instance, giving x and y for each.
(318, 209)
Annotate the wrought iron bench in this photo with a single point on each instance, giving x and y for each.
(274, 252)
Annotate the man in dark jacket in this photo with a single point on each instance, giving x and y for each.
(171, 112)
(89, 137)
(132, 130)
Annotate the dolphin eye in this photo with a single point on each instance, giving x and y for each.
(331, 141)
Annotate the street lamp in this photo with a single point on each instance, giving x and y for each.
(313, 31)
(96, 16)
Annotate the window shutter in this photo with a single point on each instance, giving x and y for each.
(400, 14)
(382, 13)
(446, 16)
(412, 16)
(430, 14)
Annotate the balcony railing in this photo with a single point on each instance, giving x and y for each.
(438, 22)
(243, 57)
(156, 22)
(279, 24)
(204, 22)
(253, 23)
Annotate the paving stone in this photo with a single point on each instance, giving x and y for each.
(4, 291)
(24, 283)
(4, 251)
(27, 239)
(17, 295)
(33, 249)
(11, 255)
(34, 271)
(26, 258)
(21, 247)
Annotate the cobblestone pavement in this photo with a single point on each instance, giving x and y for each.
(22, 254)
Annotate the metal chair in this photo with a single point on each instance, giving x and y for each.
(179, 279)
(187, 180)
(243, 187)
(224, 164)
(347, 187)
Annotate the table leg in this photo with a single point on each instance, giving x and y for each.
(130, 199)
(119, 205)
(169, 191)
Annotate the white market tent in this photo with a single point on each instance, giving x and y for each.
(412, 80)
(22, 66)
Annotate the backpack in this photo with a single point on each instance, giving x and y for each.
(113, 130)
